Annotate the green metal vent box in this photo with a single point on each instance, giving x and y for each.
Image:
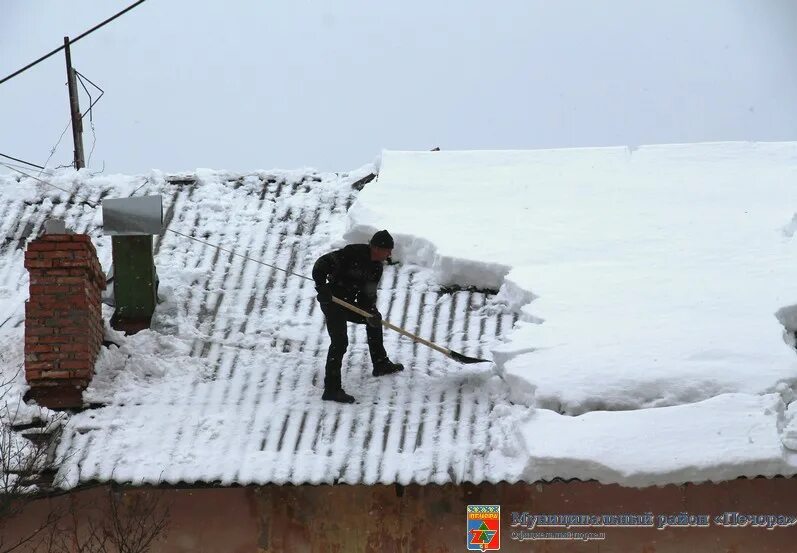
(131, 223)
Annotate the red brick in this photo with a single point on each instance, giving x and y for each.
(49, 383)
(57, 272)
(80, 377)
(69, 263)
(38, 264)
(63, 299)
(40, 299)
(55, 373)
(39, 331)
(67, 293)
(40, 322)
(72, 247)
(75, 317)
(41, 348)
(52, 322)
(56, 288)
(30, 257)
(36, 312)
(54, 339)
(74, 348)
(48, 300)
(84, 374)
(38, 281)
(58, 254)
(77, 304)
(74, 329)
(63, 326)
(73, 364)
(71, 280)
(37, 290)
(41, 246)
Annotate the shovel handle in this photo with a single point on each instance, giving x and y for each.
(391, 326)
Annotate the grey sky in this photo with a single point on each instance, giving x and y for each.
(253, 84)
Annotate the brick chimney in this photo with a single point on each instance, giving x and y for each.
(63, 317)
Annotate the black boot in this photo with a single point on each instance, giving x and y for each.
(337, 395)
(386, 366)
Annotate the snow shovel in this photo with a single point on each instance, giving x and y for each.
(456, 356)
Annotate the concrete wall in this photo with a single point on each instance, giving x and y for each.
(426, 519)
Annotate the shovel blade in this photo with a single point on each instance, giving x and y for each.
(456, 356)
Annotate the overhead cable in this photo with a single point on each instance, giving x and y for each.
(71, 41)
(220, 248)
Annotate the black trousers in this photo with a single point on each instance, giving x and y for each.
(336, 317)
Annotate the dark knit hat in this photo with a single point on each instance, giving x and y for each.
(382, 239)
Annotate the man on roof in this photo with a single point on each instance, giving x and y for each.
(352, 274)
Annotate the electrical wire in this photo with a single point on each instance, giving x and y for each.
(54, 148)
(220, 248)
(89, 202)
(81, 76)
(90, 111)
(72, 41)
(18, 166)
(238, 254)
(22, 161)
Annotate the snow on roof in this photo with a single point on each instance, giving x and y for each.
(225, 387)
(657, 294)
(647, 348)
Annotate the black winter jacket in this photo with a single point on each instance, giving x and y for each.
(351, 274)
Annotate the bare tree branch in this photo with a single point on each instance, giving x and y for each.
(130, 522)
(72, 537)
(26, 451)
(136, 520)
(33, 538)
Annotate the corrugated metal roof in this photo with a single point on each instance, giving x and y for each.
(256, 416)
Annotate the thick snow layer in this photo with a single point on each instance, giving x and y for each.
(647, 278)
(721, 438)
(21, 199)
(225, 386)
(670, 306)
